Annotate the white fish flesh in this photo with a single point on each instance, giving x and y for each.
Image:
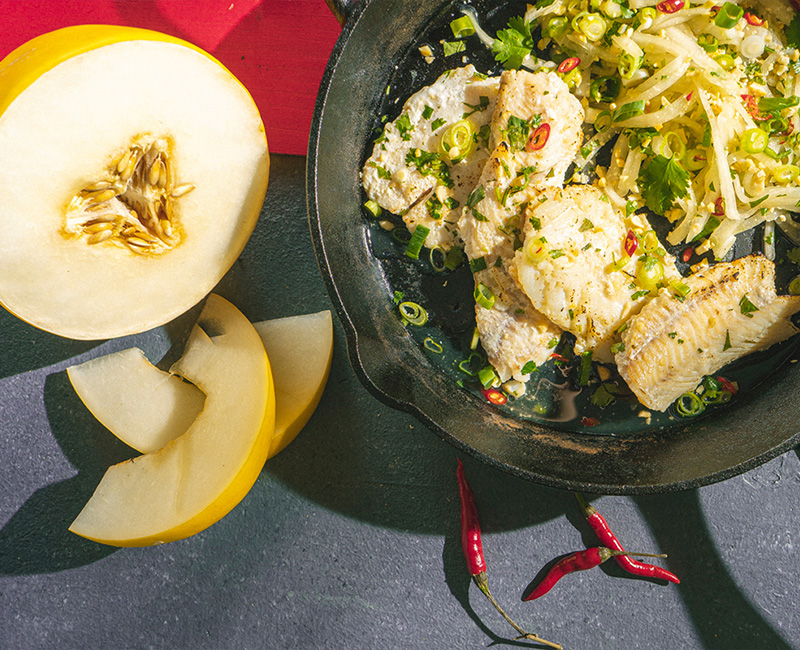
(512, 331)
(732, 310)
(419, 192)
(576, 268)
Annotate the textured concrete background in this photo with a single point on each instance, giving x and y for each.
(350, 537)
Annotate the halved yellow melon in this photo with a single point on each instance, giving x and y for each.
(147, 408)
(201, 475)
(133, 169)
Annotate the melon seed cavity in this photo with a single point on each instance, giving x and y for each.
(133, 204)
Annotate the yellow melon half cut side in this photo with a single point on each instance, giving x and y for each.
(134, 168)
(200, 476)
(115, 386)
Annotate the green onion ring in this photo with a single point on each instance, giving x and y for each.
(689, 404)
(413, 313)
(432, 345)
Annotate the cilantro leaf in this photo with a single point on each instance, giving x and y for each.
(793, 32)
(662, 180)
(513, 44)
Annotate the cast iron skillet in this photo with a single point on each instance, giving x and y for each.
(378, 50)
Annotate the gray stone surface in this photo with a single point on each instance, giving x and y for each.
(350, 537)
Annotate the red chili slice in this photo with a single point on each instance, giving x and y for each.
(589, 422)
(631, 243)
(751, 104)
(538, 138)
(729, 386)
(568, 65)
(558, 357)
(753, 19)
(719, 207)
(687, 253)
(670, 6)
(495, 396)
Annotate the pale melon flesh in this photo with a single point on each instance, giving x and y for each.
(200, 476)
(138, 133)
(146, 408)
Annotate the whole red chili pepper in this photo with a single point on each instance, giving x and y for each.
(472, 546)
(606, 536)
(577, 561)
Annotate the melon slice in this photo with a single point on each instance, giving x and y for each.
(115, 387)
(143, 406)
(300, 349)
(133, 170)
(201, 475)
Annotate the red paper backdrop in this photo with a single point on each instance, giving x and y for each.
(277, 48)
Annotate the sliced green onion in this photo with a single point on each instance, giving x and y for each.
(417, 240)
(536, 250)
(487, 376)
(555, 27)
(413, 313)
(432, 345)
(794, 286)
(458, 140)
(649, 272)
(728, 15)
(680, 290)
(373, 208)
(603, 121)
(573, 78)
(483, 296)
(438, 258)
(689, 404)
(629, 110)
(586, 367)
(462, 27)
(476, 338)
(605, 89)
(695, 159)
(401, 235)
(650, 241)
(777, 124)
(677, 146)
(593, 26)
(628, 64)
(472, 364)
(708, 42)
(725, 61)
(754, 140)
(785, 174)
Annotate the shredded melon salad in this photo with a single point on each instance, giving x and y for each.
(704, 99)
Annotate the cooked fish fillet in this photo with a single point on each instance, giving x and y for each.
(399, 186)
(576, 277)
(732, 310)
(543, 94)
(513, 332)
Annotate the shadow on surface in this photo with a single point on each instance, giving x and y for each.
(723, 617)
(36, 539)
(381, 466)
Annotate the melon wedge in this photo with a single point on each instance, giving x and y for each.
(200, 476)
(300, 349)
(133, 169)
(114, 387)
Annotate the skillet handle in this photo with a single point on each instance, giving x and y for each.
(342, 9)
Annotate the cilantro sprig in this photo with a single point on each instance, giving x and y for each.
(513, 44)
(662, 181)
